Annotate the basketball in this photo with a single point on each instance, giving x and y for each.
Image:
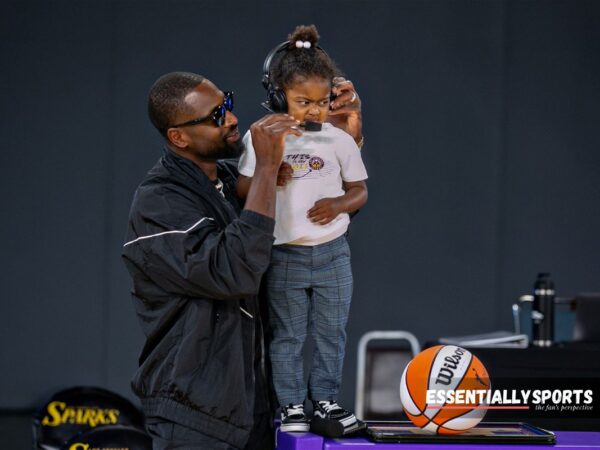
(443, 390)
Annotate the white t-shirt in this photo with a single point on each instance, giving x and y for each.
(321, 161)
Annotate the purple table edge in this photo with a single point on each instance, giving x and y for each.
(571, 440)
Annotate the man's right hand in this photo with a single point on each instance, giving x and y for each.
(268, 138)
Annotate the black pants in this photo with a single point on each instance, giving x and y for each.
(172, 436)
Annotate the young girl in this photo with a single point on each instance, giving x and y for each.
(309, 281)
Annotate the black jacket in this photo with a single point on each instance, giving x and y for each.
(196, 266)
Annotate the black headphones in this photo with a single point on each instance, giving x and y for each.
(276, 101)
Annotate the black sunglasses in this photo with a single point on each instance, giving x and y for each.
(217, 115)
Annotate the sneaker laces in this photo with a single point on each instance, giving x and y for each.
(329, 406)
(294, 409)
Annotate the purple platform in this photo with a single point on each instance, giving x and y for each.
(566, 440)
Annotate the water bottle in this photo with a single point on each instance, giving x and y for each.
(542, 313)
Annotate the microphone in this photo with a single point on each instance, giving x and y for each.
(308, 125)
(267, 106)
(311, 126)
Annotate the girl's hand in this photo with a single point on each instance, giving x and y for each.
(325, 210)
(284, 176)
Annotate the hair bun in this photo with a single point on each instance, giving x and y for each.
(304, 36)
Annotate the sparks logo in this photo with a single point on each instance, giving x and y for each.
(60, 413)
(79, 446)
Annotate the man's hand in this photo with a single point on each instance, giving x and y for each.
(268, 136)
(325, 210)
(284, 176)
(345, 110)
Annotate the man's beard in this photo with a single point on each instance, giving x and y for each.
(230, 150)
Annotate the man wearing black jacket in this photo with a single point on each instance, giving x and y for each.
(196, 259)
(196, 262)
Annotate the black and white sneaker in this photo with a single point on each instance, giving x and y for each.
(293, 418)
(331, 420)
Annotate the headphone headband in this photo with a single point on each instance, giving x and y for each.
(267, 64)
(276, 101)
(266, 79)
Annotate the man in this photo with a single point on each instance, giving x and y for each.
(196, 259)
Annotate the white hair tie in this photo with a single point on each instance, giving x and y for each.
(303, 44)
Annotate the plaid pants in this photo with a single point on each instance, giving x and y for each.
(308, 288)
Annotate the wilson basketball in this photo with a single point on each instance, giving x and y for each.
(444, 390)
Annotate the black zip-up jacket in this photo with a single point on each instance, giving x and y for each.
(196, 263)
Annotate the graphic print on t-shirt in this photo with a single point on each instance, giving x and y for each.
(307, 166)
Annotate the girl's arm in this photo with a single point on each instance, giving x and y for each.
(243, 186)
(327, 209)
(284, 176)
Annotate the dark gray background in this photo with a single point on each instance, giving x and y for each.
(482, 146)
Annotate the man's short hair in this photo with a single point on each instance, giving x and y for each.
(166, 98)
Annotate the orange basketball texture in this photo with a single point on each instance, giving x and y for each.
(443, 367)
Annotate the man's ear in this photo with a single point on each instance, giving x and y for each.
(177, 138)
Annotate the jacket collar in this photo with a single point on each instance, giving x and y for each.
(195, 179)
(186, 168)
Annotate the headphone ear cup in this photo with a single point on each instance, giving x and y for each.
(278, 101)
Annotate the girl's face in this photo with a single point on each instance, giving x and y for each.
(308, 99)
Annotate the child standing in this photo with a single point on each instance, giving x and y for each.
(309, 281)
